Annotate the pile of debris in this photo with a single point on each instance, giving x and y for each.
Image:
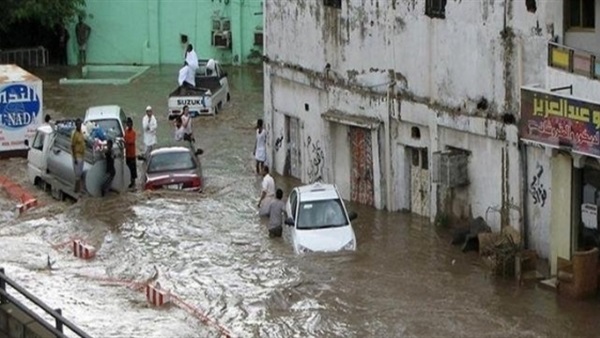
(502, 251)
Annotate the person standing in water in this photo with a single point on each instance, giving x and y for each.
(82, 31)
(260, 147)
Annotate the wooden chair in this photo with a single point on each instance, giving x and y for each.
(578, 277)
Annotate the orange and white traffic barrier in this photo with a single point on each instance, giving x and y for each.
(82, 250)
(26, 205)
(156, 295)
(25, 200)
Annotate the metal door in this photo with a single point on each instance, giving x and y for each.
(419, 181)
(293, 156)
(361, 174)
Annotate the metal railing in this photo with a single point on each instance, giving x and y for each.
(25, 57)
(57, 329)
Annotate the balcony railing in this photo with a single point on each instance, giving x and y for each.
(26, 57)
(573, 60)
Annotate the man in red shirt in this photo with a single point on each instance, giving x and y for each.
(130, 158)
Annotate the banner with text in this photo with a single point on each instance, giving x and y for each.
(560, 121)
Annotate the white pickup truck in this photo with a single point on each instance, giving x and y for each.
(207, 98)
(50, 162)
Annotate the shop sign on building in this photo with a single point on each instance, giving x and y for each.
(560, 121)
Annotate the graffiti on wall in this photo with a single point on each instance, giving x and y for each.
(316, 160)
(279, 142)
(536, 188)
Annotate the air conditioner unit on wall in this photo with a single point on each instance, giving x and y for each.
(450, 168)
(222, 39)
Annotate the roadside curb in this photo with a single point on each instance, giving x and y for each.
(25, 200)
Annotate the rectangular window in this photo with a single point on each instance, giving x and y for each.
(334, 3)
(435, 8)
(580, 14)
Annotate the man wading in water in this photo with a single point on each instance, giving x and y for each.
(78, 152)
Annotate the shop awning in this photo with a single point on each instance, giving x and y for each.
(341, 117)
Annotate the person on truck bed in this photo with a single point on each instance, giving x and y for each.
(191, 58)
(78, 151)
(110, 167)
(186, 78)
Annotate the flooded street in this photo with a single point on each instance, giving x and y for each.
(405, 280)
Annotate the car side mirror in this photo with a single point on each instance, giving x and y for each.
(352, 215)
(289, 221)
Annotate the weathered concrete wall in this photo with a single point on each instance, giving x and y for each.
(583, 87)
(457, 78)
(539, 191)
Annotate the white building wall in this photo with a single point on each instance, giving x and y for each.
(583, 87)
(539, 190)
(441, 67)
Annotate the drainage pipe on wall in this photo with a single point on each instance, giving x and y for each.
(524, 208)
(388, 144)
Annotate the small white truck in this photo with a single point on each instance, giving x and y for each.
(207, 97)
(50, 162)
(21, 109)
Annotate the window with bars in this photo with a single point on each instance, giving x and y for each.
(580, 14)
(435, 8)
(333, 3)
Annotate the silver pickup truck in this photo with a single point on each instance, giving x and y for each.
(50, 162)
(207, 97)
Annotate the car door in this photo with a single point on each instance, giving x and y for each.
(35, 157)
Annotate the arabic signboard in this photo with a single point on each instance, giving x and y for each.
(560, 121)
(20, 113)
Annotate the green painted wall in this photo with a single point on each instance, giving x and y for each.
(148, 31)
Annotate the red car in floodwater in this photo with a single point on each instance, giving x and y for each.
(174, 168)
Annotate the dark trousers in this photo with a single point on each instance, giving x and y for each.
(107, 182)
(132, 165)
(275, 232)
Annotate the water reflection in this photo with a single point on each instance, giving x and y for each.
(405, 279)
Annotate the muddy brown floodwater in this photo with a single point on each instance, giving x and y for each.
(212, 249)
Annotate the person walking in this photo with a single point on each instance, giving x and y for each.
(186, 122)
(78, 152)
(150, 125)
(130, 158)
(63, 39)
(82, 31)
(110, 167)
(179, 130)
(275, 211)
(260, 147)
(267, 192)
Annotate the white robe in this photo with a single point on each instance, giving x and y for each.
(192, 59)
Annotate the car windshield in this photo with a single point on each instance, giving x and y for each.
(171, 161)
(321, 214)
(111, 127)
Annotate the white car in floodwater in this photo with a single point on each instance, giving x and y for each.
(318, 220)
